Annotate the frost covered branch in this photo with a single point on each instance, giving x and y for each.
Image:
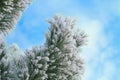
(4, 65)
(10, 12)
(58, 58)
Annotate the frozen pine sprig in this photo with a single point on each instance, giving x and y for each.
(62, 44)
(80, 38)
(10, 12)
(37, 63)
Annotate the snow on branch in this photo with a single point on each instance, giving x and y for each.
(10, 12)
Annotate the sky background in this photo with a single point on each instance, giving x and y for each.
(100, 19)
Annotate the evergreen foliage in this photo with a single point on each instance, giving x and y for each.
(37, 62)
(4, 65)
(19, 69)
(10, 11)
(57, 58)
(62, 47)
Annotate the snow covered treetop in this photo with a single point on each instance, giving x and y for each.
(65, 28)
(10, 11)
(63, 42)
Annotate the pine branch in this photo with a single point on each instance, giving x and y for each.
(10, 12)
(63, 44)
(37, 63)
(4, 64)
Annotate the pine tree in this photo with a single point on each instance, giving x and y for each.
(10, 11)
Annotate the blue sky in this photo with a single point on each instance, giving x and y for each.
(100, 19)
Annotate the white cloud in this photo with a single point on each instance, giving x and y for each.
(97, 52)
